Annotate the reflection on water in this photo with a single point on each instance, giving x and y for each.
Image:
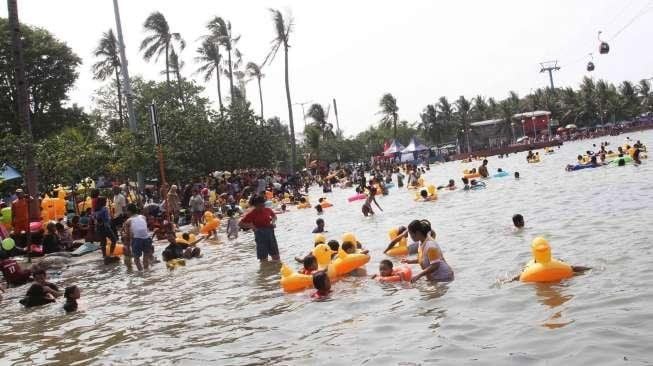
(226, 308)
(552, 296)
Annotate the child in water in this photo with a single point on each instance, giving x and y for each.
(518, 221)
(232, 225)
(516, 175)
(450, 186)
(322, 284)
(386, 270)
(320, 226)
(310, 265)
(319, 209)
(367, 206)
(72, 294)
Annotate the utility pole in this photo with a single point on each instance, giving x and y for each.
(129, 96)
(550, 67)
(303, 111)
(335, 110)
(24, 116)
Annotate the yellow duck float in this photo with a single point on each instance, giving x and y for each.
(543, 268)
(401, 248)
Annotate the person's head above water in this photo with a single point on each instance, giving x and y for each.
(310, 262)
(499, 170)
(516, 175)
(423, 193)
(321, 282)
(349, 247)
(385, 268)
(333, 245)
(484, 162)
(420, 230)
(465, 180)
(518, 220)
(452, 182)
(319, 222)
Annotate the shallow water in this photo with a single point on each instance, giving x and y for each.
(227, 309)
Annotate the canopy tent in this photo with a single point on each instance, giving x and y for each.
(394, 148)
(8, 173)
(414, 146)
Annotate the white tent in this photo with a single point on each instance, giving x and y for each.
(414, 146)
(394, 148)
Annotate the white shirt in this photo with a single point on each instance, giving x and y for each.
(138, 227)
(119, 204)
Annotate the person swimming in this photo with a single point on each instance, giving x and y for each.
(322, 284)
(518, 221)
(310, 265)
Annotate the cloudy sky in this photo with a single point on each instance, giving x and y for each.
(355, 51)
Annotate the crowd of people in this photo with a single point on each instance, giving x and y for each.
(121, 222)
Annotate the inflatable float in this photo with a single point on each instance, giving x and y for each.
(543, 268)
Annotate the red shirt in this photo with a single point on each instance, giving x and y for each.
(13, 273)
(261, 218)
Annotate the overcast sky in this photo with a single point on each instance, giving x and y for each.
(357, 50)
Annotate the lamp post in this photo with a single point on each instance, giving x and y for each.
(523, 127)
(512, 128)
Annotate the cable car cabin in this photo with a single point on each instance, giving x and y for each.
(604, 48)
(590, 66)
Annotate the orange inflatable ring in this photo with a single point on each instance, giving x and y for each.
(471, 176)
(398, 275)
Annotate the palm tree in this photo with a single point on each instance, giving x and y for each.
(109, 65)
(429, 124)
(175, 66)
(283, 28)
(445, 112)
(480, 109)
(629, 99)
(463, 108)
(220, 32)
(506, 111)
(389, 109)
(493, 109)
(209, 59)
(160, 40)
(312, 139)
(316, 112)
(254, 71)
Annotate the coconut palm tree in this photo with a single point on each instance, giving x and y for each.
(389, 109)
(480, 108)
(283, 27)
(463, 109)
(209, 59)
(159, 40)
(175, 67)
(108, 65)
(445, 113)
(316, 112)
(493, 109)
(254, 72)
(220, 32)
(430, 126)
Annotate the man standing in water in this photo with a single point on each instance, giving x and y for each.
(263, 221)
(482, 170)
(137, 236)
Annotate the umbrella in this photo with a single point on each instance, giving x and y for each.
(8, 173)
(571, 126)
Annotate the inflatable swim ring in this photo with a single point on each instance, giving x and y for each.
(399, 274)
(360, 196)
(345, 263)
(534, 160)
(212, 223)
(501, 174)
(326, 204)
(471, 176)
(543, 268)
(292, 281)
(174, 263)
(322, 253)
(400, 248)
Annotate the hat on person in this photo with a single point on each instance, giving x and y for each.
(19, 190)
